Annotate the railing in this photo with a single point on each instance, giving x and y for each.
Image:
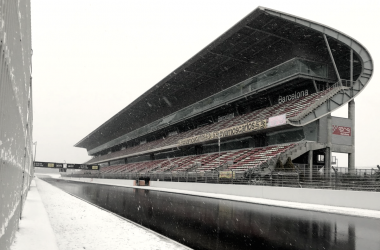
(346, 83)
(298, 177)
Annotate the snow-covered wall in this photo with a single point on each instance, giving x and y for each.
(16, 116)
(339, 198)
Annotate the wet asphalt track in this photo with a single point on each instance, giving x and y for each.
(205, 223)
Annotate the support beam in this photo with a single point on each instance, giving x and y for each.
(351, 116)
(270, 100)
(315, 86)
(332, 59)
(268, 33)
(327, 169)
(151, 156)
(230, 57)
(310, 161)
(199, 74)
(352, 72)
(351, 156)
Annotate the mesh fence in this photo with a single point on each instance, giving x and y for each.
(298, 177)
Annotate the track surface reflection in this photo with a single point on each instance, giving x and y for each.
(205, 223)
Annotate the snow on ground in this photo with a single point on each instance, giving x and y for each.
(80, 225)
(34, 230)
(278, 203)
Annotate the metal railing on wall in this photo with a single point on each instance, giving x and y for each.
(298, 177)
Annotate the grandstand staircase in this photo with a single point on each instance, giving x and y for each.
(334, 99)
(170, 167)
(193, 166)
(224, 166)
(157, 166)
(294, 152)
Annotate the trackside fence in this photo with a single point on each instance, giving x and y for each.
(299, 177)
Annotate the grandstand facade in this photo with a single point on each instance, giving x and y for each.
(261, 92)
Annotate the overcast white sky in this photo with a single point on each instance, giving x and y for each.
(92, 58)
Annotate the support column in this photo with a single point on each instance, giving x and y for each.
(351, 156)
(310, 161)
(332, 60)
(315, 86)
(328, 148)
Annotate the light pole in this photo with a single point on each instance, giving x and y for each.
(35, 150)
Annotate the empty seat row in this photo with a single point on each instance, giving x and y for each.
(237, 160)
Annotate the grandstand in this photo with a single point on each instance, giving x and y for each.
(261, 92)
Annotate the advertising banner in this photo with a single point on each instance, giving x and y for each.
(227, 174)
(83, 166)
(41, 164)
(240, 129)
(277, 120)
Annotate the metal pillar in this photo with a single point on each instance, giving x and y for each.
(35, 150)
(352, 68)
(332, 60)
(328, 148)
(351, 156)
(315, 86)
(351, 116)
(310, 161)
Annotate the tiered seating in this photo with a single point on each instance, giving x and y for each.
(171, 164)
(188, 162)
(255, 157)
(200, 159)
(111, 169)
(241, 160)
(147, 166)
(135, 167)
(224, 158)
(291, 108)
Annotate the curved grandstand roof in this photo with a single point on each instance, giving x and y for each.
(258, 42)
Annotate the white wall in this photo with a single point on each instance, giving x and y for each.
(340, 198)
(116, 182)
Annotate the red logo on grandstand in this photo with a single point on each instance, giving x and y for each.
(340, 130)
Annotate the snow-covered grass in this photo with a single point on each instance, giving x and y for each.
(79, 225)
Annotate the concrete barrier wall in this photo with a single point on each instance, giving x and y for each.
(340, 198)
(116, 182)
(16, 115)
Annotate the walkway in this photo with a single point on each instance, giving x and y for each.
(53, 219)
